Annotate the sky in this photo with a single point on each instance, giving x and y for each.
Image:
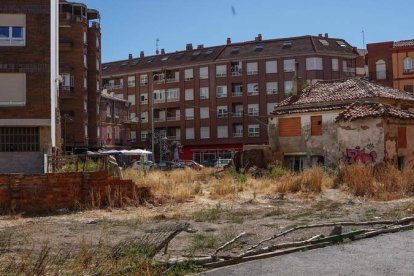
(131, 26)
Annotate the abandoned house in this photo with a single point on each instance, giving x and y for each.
(348, 120)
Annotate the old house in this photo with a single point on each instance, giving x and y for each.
(348, 120)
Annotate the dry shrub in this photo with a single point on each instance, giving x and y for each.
(224, 186)
(311, 180)
(382, 183)
(176, 185)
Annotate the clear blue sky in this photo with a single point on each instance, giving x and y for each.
(129, 26)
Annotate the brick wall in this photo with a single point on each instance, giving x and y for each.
(36, 193)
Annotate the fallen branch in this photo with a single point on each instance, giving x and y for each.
(228, 243)
(374, 233)
(345, 223)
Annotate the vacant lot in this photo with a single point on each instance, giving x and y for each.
(217, 206)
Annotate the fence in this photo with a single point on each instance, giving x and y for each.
(81, 163)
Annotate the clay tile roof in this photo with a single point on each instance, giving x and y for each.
(339, 92)
(363, 110)
(404, 43)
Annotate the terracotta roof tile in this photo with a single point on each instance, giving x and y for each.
(325, 93)
(404, 43)
(363, 110)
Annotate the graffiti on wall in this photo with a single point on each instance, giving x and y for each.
(359, 155)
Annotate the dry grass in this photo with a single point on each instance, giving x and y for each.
(381, 183)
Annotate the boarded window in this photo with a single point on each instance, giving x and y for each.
(402, 137)
(13, 89)
(289, 127)
(316, 125)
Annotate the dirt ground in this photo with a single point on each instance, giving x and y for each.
(214, 222)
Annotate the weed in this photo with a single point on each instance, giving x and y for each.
(210, 215)
(204, 241)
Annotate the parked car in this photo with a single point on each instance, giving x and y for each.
(221, 163)
(191, 164)
(169, 165)
(208, 163)
(138, 165)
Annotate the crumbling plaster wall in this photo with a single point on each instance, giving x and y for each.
(391, 142)
(323, 145)
(365, 134)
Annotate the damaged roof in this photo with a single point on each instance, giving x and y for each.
(256, 49)
(338, 93)
(363, 110)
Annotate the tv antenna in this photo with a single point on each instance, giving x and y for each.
(157, 42)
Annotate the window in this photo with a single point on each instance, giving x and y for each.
(204, 93)
(221, 70)
(221, 91)
(222, 111)
(238, 110)
(189, 94)
(253, 109)
(143, 98)
(316, 125)
(314, 63)
(271, 88)
(203, 72)
(133, 117)
(271, 66)
(237, 90)
(144, 135)
(189, 133)
(252, 68)
(189, 113)
(85, 38)
(131, 99)
(222, 132)
(13, 89)
(143, 80)
(97, 64)
(252, 89)
(133, 135)
(236, 68)
(289, 65)
(408, 88)
(85, 61)
(12, 30)
(204, 113)
(238, 130)
(344, 66)
(19, 139)
(341, 43)
(67, 82)
(287, 44)
(144, 117)
(288, 87)
(254, 130)
(159, 96)
(402, 137)
(408, 65)
(97, 42)
(85, 83)
(271, 107)
(335, 64)
(259, 47)
(173, 95)
(205, 132)
(235, 50)
(108, 111)
(188, 74)
(98, 86)
(131, 81)
(290, 127)
(381, 70)
(324, 42)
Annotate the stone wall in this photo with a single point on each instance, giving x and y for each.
(48, 193)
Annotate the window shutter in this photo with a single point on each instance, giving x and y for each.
(204, 112)
(271, 66)
(189, 94)
(402, 137)
(290, 127)
(316, 125)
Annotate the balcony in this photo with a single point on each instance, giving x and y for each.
(143, 83)
(176, 137)
(271, 91)
(238, 114)
(159, 119)
(174, 118)
(113, 86)
(159, 100)
(237, 134)
(66, 88)
(221, 75)
(175, 99)
(252, 93)
(235, 71)
(252, 72)
(254, 134)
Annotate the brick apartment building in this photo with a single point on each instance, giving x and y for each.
(216, 99)
(114, 113)
(80, 66)
(391, 64)
(29, 116)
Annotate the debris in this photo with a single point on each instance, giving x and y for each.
(228, 243)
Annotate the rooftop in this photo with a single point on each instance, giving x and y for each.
(339, 93)
(404, 43)
(258, 48)
(363, 110)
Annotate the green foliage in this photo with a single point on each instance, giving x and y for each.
(277, 172)
(210, 215)
(237, 176)
(203, 241)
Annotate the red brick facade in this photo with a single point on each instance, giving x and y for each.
(377, 52)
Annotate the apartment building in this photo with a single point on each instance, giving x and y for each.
(29, 115)
(80, 66)
(114, 113)
(391, 64)
(214, 100)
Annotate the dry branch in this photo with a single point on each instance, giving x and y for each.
(344, 223)
(228, 243)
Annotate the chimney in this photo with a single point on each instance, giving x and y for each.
(157, 52)
(228, 40)
(320, 35)
(326, 35)
(200, 46)
(258, 38)
(130, 57)
(162, 51)
(189, 47)
(141, 54)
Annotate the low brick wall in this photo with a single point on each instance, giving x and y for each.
(46, 193)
